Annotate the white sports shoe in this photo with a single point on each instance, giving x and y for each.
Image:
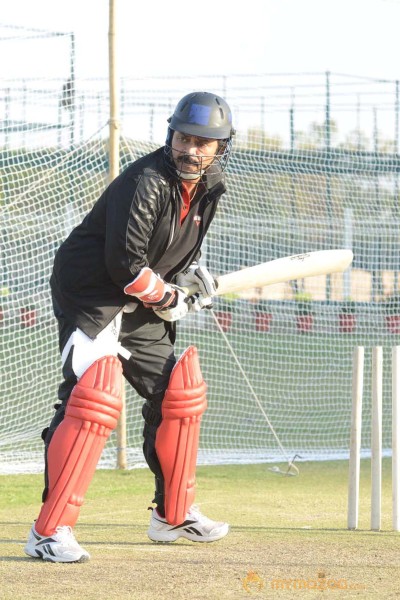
(59, 547)
(196, 528)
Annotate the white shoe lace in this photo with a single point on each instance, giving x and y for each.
(194, 511)
(65, 535)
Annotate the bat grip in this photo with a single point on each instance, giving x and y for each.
(191, 289)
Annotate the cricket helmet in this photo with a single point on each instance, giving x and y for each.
(205, 115)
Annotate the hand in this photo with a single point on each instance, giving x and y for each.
(197, 302)
(177, 310)
(151, 289)
(199, 276)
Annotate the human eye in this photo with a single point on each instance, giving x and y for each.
(202, 143)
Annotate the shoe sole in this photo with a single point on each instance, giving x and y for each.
(55, 559)
(167, 537)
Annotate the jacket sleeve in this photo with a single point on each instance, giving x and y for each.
(132, 214)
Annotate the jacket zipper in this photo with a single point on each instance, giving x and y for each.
(171, 235)
(175, 221)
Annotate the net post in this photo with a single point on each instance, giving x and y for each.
(114, 150)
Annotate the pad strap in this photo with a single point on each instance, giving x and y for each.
(91, 414)
(178, 435)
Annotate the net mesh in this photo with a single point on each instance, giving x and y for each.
(315, 166)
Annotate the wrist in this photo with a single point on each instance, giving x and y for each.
(151, 289)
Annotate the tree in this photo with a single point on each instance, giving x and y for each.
(315, 137)
(258, 139)
(355, 140)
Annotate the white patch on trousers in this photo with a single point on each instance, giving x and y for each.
(86, 351)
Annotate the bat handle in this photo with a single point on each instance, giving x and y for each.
(191, 289)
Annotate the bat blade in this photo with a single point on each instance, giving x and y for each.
(309, 264)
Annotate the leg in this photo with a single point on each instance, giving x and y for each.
(91, 414)
(75, 440)
(64, 392)
(176, 445)
(147, 367)
(177, 437)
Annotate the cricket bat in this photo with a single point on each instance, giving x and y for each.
(309, 264)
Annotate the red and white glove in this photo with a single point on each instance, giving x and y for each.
(151, 289)
(168, 301)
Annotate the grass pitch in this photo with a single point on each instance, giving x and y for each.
(288, 539)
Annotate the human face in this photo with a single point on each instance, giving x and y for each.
(192, 154)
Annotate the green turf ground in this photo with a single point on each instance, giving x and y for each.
(302, 381)
(285, 531)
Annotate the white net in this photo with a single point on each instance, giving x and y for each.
(315, 166)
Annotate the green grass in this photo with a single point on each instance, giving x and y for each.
(286, 530)
(303, 383)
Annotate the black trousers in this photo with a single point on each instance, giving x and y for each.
(147, 359)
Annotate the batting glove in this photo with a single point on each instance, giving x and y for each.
(178, 309)
(197, 302)
(199, 276)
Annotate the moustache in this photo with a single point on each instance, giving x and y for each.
(188, 160)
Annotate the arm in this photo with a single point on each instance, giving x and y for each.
(133, 207)
(152, 290)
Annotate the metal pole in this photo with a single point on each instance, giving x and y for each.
(24, 102)
(328, 112)
(291, 117)
(293, 174)
(114, 123)
(377, 281)
(59, 123)
(347, 243)
(113, 157)
(151, 123)
(396, 120)
(73, 90)
(8, 128)
(328, 174)
(396, 177)
(262, 123)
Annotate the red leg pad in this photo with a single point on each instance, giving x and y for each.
(91, 414)
(177, 438)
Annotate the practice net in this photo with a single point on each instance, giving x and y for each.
(311, 171)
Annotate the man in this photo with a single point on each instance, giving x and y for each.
(116, 287)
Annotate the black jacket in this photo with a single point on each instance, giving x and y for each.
(129, 227)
